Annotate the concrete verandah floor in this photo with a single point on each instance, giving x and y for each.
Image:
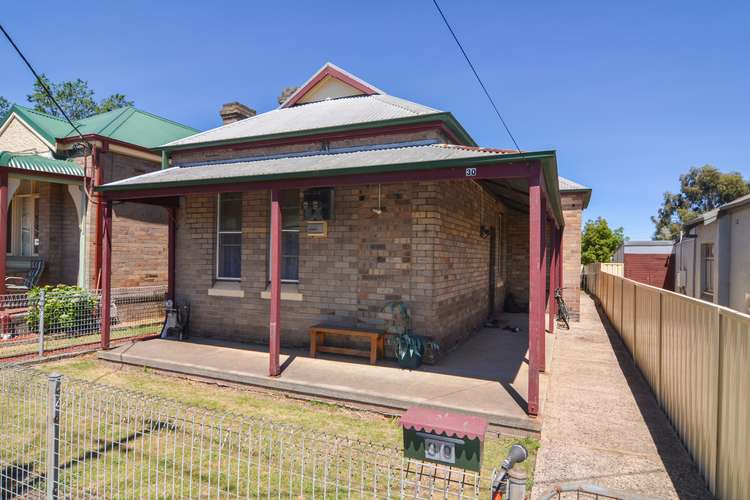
(487, 375)
(602, 423)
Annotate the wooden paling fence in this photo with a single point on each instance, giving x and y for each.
(695, 355)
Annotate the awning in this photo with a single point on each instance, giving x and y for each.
(31, 164)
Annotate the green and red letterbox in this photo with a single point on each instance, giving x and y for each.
(445, 438)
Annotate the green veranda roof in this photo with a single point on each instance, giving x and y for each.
(39, 164)
(127, 124)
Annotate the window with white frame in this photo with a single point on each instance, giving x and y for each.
(290, 223)
(229, 237)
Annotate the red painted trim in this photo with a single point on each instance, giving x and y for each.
(536, 308)
(553, 276)
(332, 136)
(333, 73)
(106, 273)
(3, 227)
(274, 326)
(498, 171)
(97, 200)
(172, 229)
(105, 141)
(543, 297)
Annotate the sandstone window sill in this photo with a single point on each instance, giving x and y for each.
(226, 289)
(289, 291)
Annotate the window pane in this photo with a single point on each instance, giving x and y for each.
(230, 252)
(230, 212)
(290, 209)
(290, 256)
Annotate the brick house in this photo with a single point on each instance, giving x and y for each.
(345, 199)
(49, 211)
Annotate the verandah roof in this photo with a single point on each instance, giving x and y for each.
(329, 165)
(31, 164)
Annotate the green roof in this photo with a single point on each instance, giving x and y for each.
(127, 124)
(39, 164)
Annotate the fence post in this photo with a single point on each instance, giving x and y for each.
(53, 434)
(40, 305)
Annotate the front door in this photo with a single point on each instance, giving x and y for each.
(26, 208)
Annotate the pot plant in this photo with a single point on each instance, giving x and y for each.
(409, 348)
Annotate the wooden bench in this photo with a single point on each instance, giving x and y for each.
(318, 335)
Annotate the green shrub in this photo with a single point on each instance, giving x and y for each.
(66, 309)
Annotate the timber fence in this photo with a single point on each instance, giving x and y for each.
(695, 355)
(55, 320)
(64, 438)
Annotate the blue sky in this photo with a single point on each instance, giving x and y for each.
(630, 94)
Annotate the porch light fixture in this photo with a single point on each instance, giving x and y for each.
(378, 210)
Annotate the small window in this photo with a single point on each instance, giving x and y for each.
(229, 237)
(707, 269)
(290, 223)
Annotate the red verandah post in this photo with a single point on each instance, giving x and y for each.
(274, 341)
(542, 337)
(172, 214)
(536, 294)
(3, 226)
(106, 303)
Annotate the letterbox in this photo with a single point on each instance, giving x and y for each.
(443, 437)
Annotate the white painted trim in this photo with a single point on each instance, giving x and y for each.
(289, 291)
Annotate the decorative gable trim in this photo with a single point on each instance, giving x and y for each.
(27, 126)
(332, 71)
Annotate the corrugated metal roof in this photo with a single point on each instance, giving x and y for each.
(314, 163)
(568, 185)
(41, 164)
(315, 115)
(127, 124)
(712, 215)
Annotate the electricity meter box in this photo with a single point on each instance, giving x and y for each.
(444, 438)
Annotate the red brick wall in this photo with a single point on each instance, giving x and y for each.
(652, 269)
(572, 205)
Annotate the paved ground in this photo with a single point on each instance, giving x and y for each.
(487, 375)
(602, 424)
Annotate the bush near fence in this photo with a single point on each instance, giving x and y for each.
(73, 438)
(72, 318)
(695, 355)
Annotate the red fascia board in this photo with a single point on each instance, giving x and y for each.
(105, 140)
(333, 136)
(509, 170)
(328, 71)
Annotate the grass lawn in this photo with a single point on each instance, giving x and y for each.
(255, 403)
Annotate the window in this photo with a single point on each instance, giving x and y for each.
(707, 268)
(229, 237)
(290, 222)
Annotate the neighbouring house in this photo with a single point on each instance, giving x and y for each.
(346, 199)
(649, 262)
(713, 256)
(49, 212)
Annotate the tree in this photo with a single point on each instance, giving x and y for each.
(75, 97)
(701, 189)
(4, 106)
(599, 241)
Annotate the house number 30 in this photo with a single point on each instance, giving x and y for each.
(471, 172)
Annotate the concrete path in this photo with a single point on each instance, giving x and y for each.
(486, 376)
(602, 424)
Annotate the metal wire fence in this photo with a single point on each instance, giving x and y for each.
(64, 438)
(52, 320)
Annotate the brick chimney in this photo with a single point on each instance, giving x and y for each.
(235, 111)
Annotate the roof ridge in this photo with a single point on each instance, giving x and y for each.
(32, 110)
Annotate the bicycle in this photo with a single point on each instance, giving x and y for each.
(563, 316)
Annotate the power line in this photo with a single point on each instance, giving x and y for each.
(43, 85)
(476, 74)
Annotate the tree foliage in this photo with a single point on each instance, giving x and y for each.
(75, 97)
(599, 241)
(4, 106)
(701, 189)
